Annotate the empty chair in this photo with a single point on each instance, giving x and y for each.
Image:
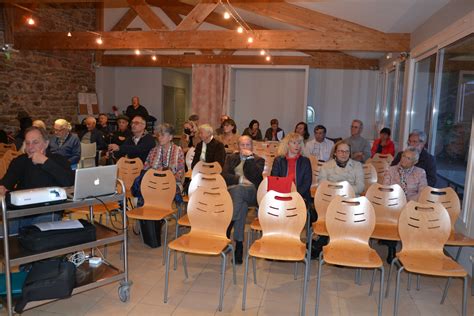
(381, 166)
(350, 222)
(424, 229)
(88, 154)
(210, 212)
(282, 217)
(207, 168)
(370, 176)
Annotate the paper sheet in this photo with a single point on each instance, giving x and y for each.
(74, 224)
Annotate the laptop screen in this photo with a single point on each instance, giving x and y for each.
(96, 181)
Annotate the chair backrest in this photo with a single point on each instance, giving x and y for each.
(128, 170)
(387, 200)
(282, 214)
(189, 157)
(352, 219)
(327, 191)
(209, 181)
(424, 226)
(207, 168)
(271, 147)
(385, 157)
(210, 211)
(9, 156)
(447, 197)
(263, 189)
(267, 169)
(370, 175)
(88, 153)
(5, 147)
(158, 188)
(381, 166)
(316, 164)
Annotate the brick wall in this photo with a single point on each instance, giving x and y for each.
(46, 83)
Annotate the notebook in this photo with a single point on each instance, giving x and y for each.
(94, 182)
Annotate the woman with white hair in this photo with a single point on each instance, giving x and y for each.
(65, 143)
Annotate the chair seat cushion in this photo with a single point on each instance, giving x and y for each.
(150, 213)
(430, 263)
(278, 248)
(319, 228)
(199, 243)
(351, 254)
(386, 231)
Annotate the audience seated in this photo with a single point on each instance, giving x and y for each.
(208, 149)
(274, 132)
(167, 155)
(384, 144)
(243, 174)
(92, 134)
(253, 130)
(136, 109)
(426, 161)
(229, 136)
(64, 143)
(302, 129)
(139, 145)
(190, 137)
(343, 168)
(291, 163)
(35, 169)
(360, 147)
(320, 146)
(220, 129)
(105, 127)
(123, 131)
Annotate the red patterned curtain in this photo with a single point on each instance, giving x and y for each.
(209, 92)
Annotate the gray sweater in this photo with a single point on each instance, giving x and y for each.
(359, 144)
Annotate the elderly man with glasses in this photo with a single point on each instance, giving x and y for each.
(65, 143)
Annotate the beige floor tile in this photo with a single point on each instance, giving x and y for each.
(148, 310)
(175, 294)
(76, 305)
(108, 306)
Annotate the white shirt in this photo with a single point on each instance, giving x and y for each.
(321, 150)
(203, 150)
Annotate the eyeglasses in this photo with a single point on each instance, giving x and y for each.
(136, 123)
(343, 151)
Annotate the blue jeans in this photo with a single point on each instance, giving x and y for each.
(243, 196)
(15, 224)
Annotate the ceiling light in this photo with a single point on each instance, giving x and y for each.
(153, 57)
(240, 29)
(268, 58)
(250, 40)
(99, 41)
(30, 21)
(226, 15)
(262, 52)
(137, 52)
(69, 34)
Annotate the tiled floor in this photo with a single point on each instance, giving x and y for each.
(276, 293)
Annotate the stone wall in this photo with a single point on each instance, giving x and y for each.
(46, 83)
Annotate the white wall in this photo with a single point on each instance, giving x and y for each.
(339, 96)
(179, 79)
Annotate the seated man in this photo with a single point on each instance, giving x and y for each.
(139, 145)
(65, 143)
(105, 127)
(242, 173)
(92, 134)
(35, 169)
(360, 147)
(209, 149)
(122, 132)
(320, 146)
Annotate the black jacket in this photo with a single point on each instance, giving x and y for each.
(304, 176)
(253, 169)
(96, 137)
(426, 162)
(215, 151)
(140, 110)
(140, 150)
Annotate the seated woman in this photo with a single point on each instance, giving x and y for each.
(342, 168)
(274, 133)
(167, 156)
(412, 180)
(253, 130)
(302, 129)
(384, 144)
(291, 163)
(229, 136)
(190, 137)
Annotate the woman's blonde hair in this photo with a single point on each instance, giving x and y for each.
(291, 137)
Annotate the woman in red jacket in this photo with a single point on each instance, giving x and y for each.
(384, 144)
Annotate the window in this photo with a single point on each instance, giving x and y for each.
(388, 113)
(398, 102)
(310, 114)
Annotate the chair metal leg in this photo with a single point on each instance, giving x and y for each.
(409, 282)
(244, 292)
(397, 292)
(166, 240)
(464, 297)
(175, 264)
(167, 270)
(382, 272)
(254, 266)
(221, 293)
(307, 262)
(185, 266)
(417, 282)
(358, 275)
(231, 247)
(318, 283)
(394, 261)
(295, 272)
(372, 283)
(448, 282)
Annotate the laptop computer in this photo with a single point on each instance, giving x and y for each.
(94, 182)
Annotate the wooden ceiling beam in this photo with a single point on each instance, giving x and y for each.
(271, 39)
(147, 15)
(196, 17)
(125, 20)
(325, 60)
(175, 17)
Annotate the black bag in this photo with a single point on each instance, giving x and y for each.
(32, 238)
(151, 232)
(50, 279)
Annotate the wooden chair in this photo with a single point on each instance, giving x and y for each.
(88, 154)
(385, 157)
(128, 170)
(5, 147)
(206, 168)
(189, 160)
(267, 169)
(210, 212)
(316, 164)
(350, 223)
(450, 200)
(370, 176)
(380, 166)
(283, 218)
(271, 147)
(158, 189)
(388, 201)
(326, 192)
(6, 159)
(424, 229)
